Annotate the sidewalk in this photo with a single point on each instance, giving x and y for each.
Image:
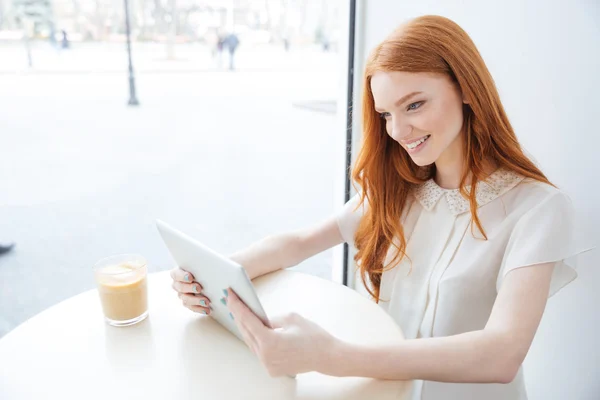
(96, 57)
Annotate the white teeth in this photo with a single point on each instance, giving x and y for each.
(418, 142)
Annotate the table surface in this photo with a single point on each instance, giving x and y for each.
(68, 352)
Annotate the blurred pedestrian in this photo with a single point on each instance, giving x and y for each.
(64, 42)
(212, 41)
(231, 42)
(220, 45)
(286, 43)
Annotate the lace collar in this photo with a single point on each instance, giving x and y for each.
(498, 183)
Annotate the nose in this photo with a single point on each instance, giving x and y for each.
(400, 130)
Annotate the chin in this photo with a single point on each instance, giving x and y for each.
(422, 161)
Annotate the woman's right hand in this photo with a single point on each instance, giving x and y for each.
(190, 291)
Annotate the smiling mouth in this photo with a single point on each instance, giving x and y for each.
(417, 143)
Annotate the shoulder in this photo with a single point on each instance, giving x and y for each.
(530, 194)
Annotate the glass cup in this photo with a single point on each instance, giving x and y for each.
(123, 287)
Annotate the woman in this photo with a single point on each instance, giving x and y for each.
(459, 236)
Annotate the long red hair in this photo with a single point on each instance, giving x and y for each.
(385, 172)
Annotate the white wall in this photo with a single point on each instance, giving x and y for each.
(545, 58)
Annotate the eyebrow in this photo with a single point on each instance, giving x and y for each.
(402, 99)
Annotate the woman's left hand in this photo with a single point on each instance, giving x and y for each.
(293, 346)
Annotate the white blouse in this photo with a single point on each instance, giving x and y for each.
(456, 274)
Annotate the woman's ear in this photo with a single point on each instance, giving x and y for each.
(464, 97)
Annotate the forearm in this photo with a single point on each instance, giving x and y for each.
(476, 357)
(269, 254)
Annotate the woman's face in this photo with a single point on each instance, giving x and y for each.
(423, 112)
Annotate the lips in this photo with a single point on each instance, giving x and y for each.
(414, 144)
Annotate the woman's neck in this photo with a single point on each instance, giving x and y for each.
(449, 177)
(449, 167)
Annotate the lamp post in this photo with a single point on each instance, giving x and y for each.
(133, 101)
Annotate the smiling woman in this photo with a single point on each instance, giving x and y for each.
(436, 107)
(449, 212)
(428, 88)
(460, 238)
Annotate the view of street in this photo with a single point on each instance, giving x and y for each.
(226, 156)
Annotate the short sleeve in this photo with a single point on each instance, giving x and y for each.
(544, 234)
(349, 217)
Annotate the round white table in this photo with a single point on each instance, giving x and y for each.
(68, 352)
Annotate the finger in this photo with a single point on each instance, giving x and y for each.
(178, 274)
(245, 316)
(201, 310)
(191, 300)
(233, 306)
(248, 338)
(282, 322)
(278, 322)
(186, 287)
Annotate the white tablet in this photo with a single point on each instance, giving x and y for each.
(215, 273)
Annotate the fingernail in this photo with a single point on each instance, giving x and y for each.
(231, 316)
(196, 289)
(202, 303)
(187, 278)
(203, 312)
(223, 301)
(225, 292)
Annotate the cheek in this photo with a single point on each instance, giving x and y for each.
(433, 121)
(447, 120)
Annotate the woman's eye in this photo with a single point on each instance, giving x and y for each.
(414, 106)
(385, 115)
